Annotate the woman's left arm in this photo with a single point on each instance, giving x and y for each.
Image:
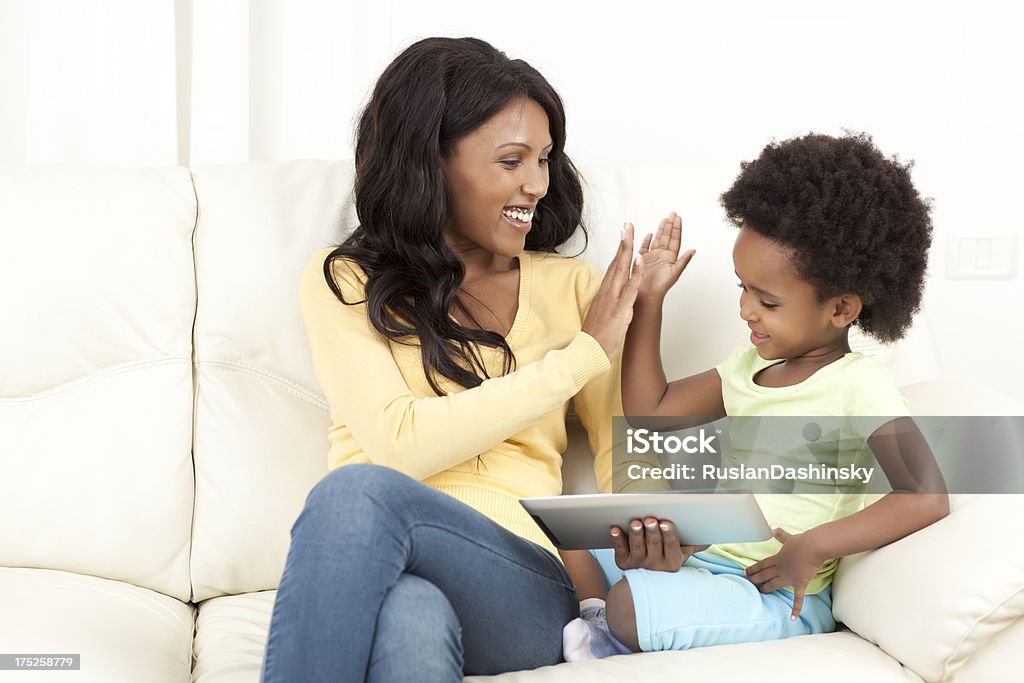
(597, 404)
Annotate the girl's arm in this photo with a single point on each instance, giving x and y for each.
(645, 389)
(918, 496)
(891, 518)
(918, 499)
(586, 574)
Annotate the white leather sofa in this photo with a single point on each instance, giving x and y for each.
(161, 424)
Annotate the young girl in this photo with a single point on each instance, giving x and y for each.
(831, 234)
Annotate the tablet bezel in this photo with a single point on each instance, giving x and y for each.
(577, 522)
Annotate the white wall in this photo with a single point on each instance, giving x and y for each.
(697, 85)
(704, 85)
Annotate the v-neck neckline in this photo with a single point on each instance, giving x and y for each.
(523, 305)
(522, 299)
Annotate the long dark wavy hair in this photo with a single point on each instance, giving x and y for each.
(433, 94)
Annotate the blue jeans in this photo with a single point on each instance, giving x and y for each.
(390, 580)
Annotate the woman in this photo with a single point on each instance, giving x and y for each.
(449, 337)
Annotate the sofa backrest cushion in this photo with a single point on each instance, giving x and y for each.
(96, 280)
(261, 418)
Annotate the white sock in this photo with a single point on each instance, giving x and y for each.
(588, 637)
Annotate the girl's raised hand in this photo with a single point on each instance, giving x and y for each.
(662, 263)
(612, 308)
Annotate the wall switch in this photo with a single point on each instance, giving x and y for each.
(982, 256)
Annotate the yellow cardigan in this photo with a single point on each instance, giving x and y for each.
(384, 412)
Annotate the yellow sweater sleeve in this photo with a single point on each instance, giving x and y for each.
(597, 404)
(599, 400)
(422, 436)
(593, 404)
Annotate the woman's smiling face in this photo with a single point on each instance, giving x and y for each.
(786, 319)
(495, 177)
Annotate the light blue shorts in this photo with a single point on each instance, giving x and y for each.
(709, 601)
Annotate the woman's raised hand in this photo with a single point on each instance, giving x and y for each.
(662, 263)
(612, 308)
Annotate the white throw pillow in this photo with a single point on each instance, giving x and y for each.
(932, 599)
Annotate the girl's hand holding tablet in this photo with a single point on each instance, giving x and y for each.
(651, 544)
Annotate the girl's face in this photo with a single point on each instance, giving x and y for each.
(786, 319)
(495, 176)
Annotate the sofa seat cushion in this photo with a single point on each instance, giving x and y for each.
(123, 633)
(231, 633)
(841, 657)
(837, 657)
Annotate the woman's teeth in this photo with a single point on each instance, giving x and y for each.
(519, 214)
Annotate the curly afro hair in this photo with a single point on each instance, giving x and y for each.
(851, 218)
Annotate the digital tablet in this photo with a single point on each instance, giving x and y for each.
(583, 521)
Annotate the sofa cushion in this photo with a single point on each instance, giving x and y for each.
(702, 323)
(122, 632)
(261, 419)
(934, 598)
(231, 634)
(999, 660)
(835, 657)
(96, 388)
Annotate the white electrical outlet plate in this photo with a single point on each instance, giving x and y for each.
(982, 256)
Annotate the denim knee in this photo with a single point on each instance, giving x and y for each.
(418, 635)
(346, 496)
(348, 480)
(358, 480)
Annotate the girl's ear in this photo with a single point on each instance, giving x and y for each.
(846, 308)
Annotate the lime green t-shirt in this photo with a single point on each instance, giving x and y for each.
(851, 397)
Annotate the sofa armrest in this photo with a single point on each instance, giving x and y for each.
(999, 660)
(935, 598)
